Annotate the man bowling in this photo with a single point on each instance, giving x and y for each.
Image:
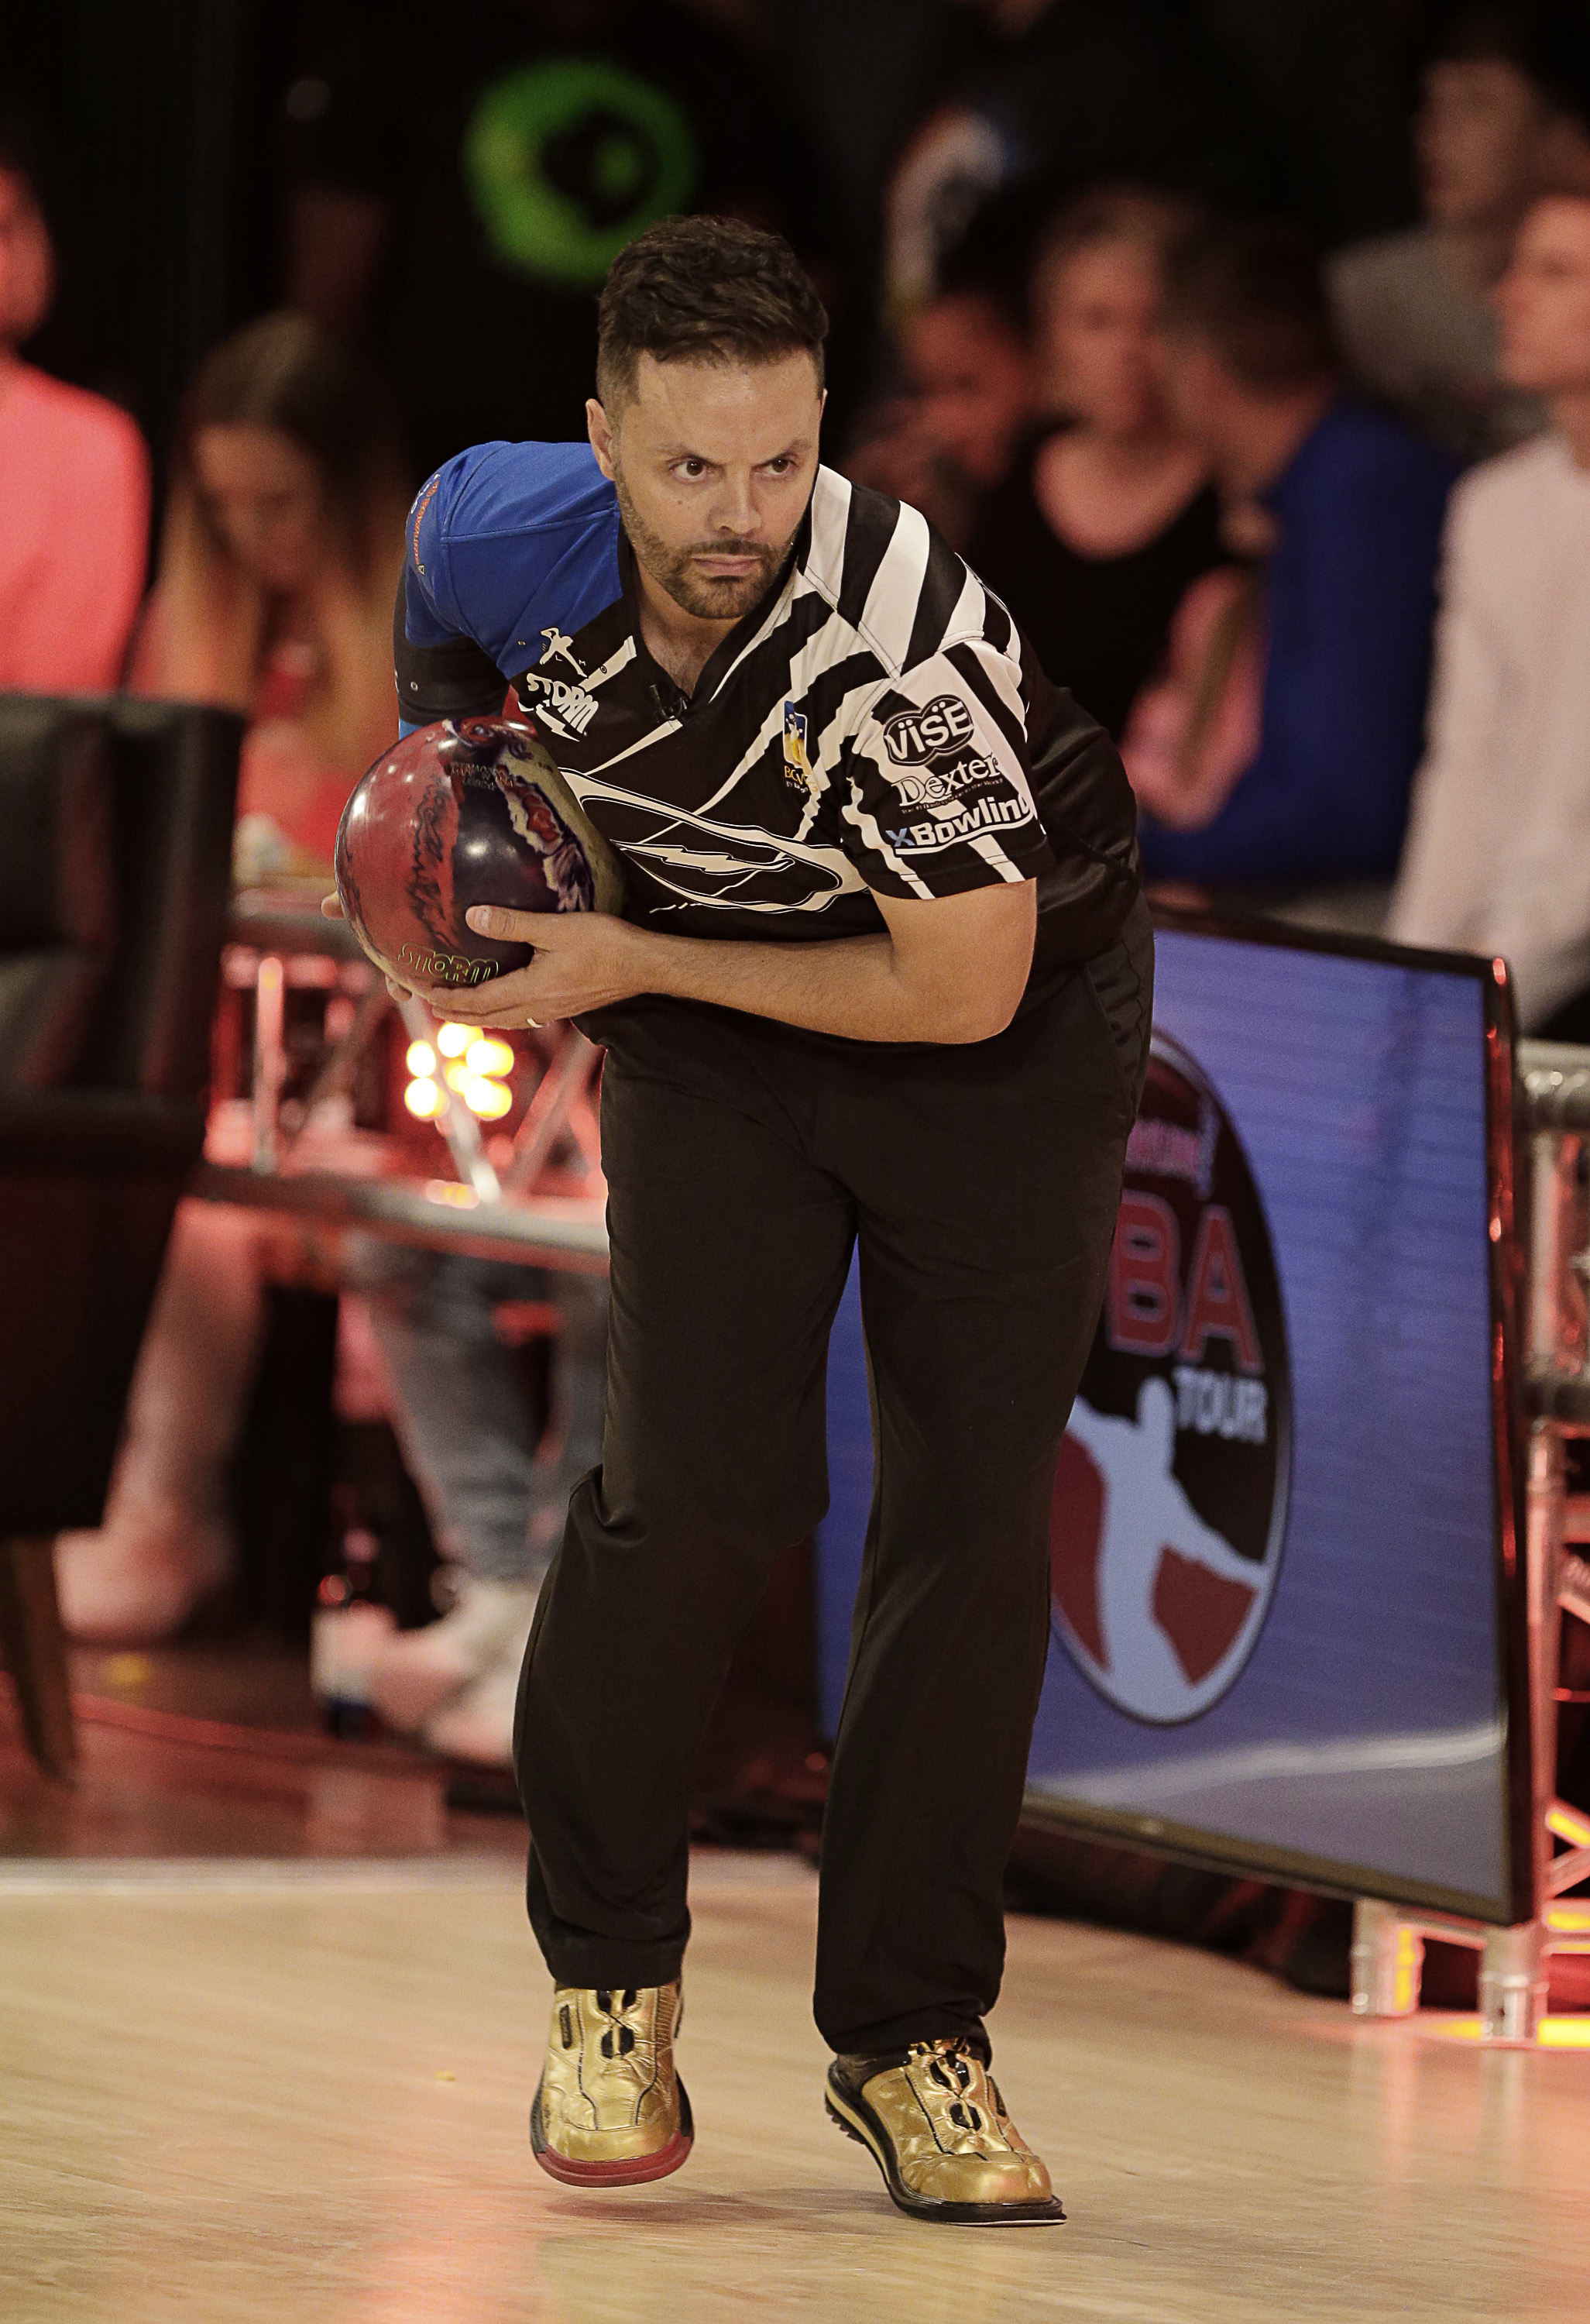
(883, 982)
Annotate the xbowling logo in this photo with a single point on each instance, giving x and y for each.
(1171, 1496)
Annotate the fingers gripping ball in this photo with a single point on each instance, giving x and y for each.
(471, 811)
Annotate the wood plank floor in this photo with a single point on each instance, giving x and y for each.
(231, 2094)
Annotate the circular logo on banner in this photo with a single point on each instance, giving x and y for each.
(1171, 1496)
(567, 161)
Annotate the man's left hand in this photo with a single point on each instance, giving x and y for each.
(584, 959)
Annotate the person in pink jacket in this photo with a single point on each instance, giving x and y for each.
(74, 487)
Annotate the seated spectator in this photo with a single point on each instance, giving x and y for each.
(281, 543)
(1107, 519)
(967, 400)
(282, 540)
(1349, 504)
(74, 484)
(1498, 858)
(1413, 310)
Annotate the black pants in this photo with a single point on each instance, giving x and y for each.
(743, 1161)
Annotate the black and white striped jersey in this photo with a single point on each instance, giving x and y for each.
(875, 726)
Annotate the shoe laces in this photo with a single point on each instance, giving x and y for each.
(953, 2080)
(614, 2002)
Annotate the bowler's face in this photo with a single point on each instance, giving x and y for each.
(715, 465)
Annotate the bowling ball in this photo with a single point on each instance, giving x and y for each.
(470, 811)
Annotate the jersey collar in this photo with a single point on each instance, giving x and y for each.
(726, 652)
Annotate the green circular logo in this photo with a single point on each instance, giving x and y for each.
(566, 162)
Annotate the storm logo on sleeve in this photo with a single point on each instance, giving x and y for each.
(1171, 1495)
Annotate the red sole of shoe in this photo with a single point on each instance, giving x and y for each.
(616, 2174)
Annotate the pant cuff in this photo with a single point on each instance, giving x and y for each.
(887, 2041)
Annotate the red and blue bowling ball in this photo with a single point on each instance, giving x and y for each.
(470, 811)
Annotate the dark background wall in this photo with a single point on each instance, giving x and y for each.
(165, 121)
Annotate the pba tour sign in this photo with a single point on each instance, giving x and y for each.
(1171, 1496)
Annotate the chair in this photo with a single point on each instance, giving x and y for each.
(116, 840)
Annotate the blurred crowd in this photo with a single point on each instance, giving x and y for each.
(1294, 512)
(1299, 512)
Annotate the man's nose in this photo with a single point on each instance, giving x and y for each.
(736, 509)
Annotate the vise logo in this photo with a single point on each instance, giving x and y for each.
(912, 737)
(1172, 1491)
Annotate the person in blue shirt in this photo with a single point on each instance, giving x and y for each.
(1349, 504)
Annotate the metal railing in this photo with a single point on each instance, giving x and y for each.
(1553, 1133)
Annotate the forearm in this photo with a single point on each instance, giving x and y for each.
(852, 987)
(949, 970)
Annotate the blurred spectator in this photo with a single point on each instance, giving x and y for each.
(282, 542)
(1107, 519)
(462, 177)
(74, 484)
(1501, 110)
(1063, 91)
(497, 1495)
(1498, 858)
(966, 402)
(1352, 502)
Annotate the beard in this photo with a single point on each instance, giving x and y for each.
(721, 597)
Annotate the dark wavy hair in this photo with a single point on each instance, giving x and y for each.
(704, 289)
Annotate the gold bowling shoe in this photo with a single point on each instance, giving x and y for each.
(937, 2129)
(610, 2109)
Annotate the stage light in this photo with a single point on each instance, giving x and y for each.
(487, 1099)
(488, 1056)
(454, 1039)
(457, 1077)
(420, 1060)
(424, 1099)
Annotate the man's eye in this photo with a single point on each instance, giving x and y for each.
(692, 467)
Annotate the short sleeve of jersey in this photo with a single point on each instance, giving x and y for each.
(505, 538)
(939, 799)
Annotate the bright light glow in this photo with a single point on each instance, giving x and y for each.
(487, 1056)
(456, 1197)
(456, 1075)
(423, 1098)
(1568, 1824)
(1556, 2032)
(454, 1039)
(488, 1099)
(420, 1059)
(1569, 1918)
(1406, 1975)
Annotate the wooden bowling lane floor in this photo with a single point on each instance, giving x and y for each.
(231, 2093)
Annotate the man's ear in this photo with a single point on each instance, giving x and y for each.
(600, 430)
